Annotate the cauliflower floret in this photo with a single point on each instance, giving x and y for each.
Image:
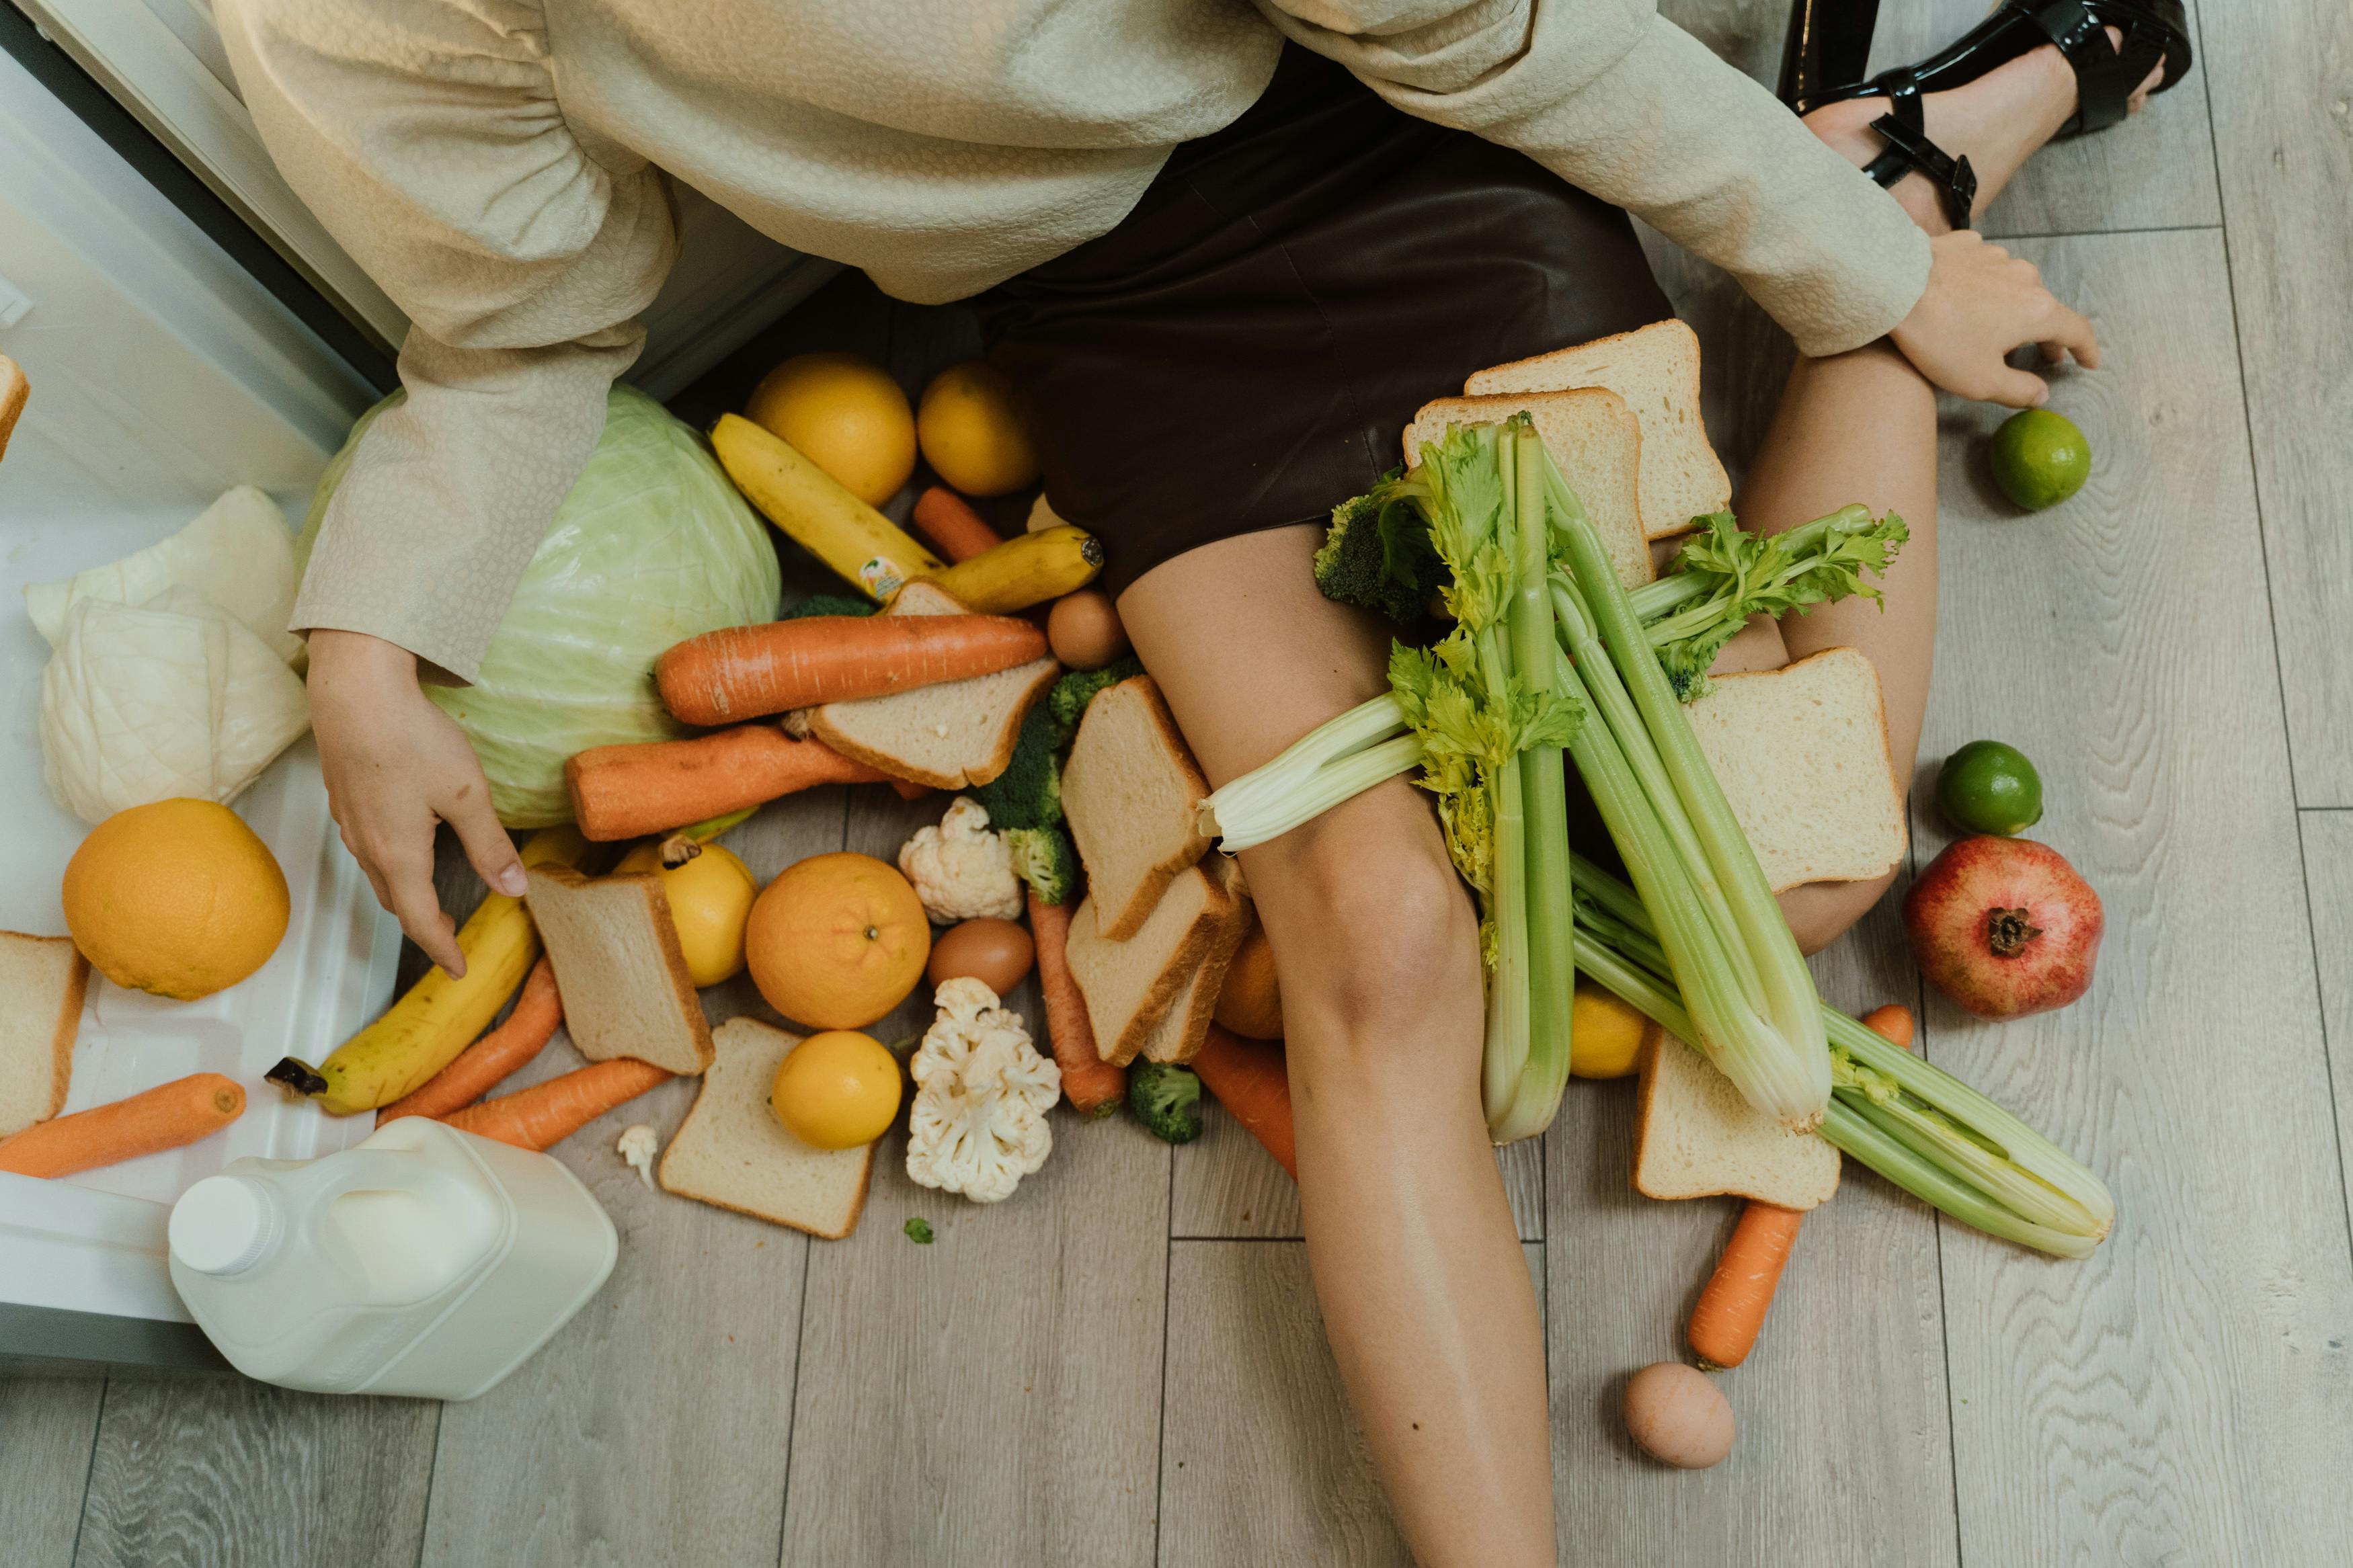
(961, 870)
(639, 1145)
(978, 1123)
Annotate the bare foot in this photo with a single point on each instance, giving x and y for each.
(1997, 121)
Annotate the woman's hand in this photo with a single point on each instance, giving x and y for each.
(1980, 303)
(396, 764)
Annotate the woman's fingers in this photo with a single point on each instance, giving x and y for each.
(2017, 389)
(2068, 329)
(407, 891)
(487, 848)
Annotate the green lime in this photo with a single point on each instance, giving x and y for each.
(2040, 459)
(1988, 787)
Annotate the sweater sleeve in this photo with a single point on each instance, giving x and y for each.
(426, 136)
(1622, 103)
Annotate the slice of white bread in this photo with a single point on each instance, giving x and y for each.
(1596, 442)
(1656, 370)
(42, 982)
(1131, 986)
(1696, 1137)
(948, 736)
(1183, 1029)
(626, 991)
(1802, 753)
(731, 1152)
(1132, 796)
(15, 390)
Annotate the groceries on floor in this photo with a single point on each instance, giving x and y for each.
(1058, 823)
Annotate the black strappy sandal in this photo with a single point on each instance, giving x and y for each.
(1829, 45)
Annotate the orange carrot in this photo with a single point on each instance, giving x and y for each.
(1094, 1087)
(163, 1117)
(910, 790)
(1251, 1080)
(943, 517)
(547, 1113)
(1892, 1021)
(482, 1065)
(653, 787)
(741, 673)
(1731, 1308)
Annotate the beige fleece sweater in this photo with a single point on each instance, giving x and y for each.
(499, 167)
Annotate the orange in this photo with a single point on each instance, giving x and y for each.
(845, 414)
(836, 941)
(179, 898)
(1251, 1003)
(971, 434)
(837, 1091)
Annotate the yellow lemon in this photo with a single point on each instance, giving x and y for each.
(837, 1091)
(1605, 1034)
(709, 900)
(178, 898)
(845, 414)
(970, 432)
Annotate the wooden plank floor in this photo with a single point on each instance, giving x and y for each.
(1125, 1366)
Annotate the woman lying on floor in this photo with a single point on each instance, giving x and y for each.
(1225, 253)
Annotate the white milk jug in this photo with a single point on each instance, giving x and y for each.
(422, 1261)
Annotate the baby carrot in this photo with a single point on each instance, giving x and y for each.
(653, 787)
(1094, 1087)
(1251, 1080)
(164, 1116)
(547, 1113)
(741, 673)
(480, 1067)
(943, 517)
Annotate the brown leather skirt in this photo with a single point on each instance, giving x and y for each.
(1245, 350)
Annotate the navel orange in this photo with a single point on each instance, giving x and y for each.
(836, 941)
(179, 898)
(971, 435)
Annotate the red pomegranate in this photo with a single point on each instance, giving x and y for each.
(2004, 926)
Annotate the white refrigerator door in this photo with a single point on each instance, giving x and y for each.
(162, 374)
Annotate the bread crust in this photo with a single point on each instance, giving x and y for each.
(822, 726)
(1501, 405)
(856, 1202)
(68, 1026)
(665, 930)
(1655, 1039)
(1155, 882)
(1886, 750)
(1219, 957)
(1671, 325)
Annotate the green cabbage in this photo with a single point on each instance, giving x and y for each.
(652, 546)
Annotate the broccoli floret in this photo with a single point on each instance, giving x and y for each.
(1166, 1099)
(1029, 793)
(1072, 694)
(1046, 859)
(1377, 555)
(919, 1230)
(830, 605)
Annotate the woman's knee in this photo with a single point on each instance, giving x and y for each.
(1374, 935)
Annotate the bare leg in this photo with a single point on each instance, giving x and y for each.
(1417, 1265)
(1863, 427)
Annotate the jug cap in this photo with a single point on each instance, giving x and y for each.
(223, 1224)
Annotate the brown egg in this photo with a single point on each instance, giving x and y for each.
(1678, 1415)
(1085, 631)
(994, 953)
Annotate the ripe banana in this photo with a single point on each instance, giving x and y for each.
(1026, 569)
(812, 507)
(421, 1033)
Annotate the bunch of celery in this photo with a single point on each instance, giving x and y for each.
(1753, 1004)
(1914, 1124)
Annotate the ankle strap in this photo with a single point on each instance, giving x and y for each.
(1903, 128)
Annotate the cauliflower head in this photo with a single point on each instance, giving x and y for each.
(982, 1092)
(961, 870)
